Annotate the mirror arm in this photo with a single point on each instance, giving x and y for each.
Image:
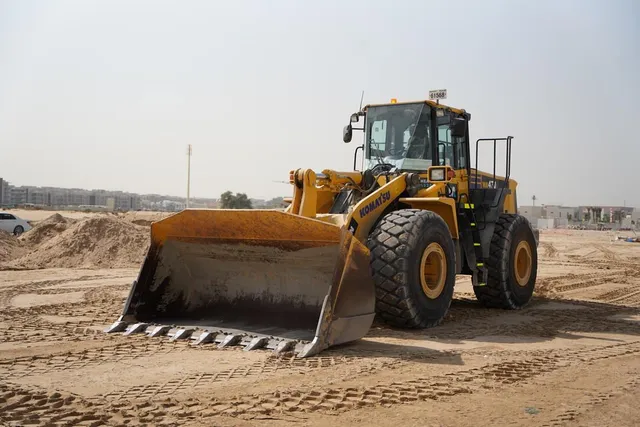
(355, 155)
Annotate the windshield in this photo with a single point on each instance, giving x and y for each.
(399, 135)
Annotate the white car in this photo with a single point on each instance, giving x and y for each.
(12, 224)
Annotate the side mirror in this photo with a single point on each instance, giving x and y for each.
(355, 118)
(347, 133)
(458, 127)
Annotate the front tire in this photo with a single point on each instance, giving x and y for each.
(513, 265)
(18, 230)
(414, 268)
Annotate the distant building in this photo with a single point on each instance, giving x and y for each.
(172, 206)
(532, 213)
(604, 212)
(545, 223)
(561, 212)
(19, 195)
(98, 200)
(5, 193)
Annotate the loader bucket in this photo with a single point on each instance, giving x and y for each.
(256, 278)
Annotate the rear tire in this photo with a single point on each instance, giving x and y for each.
(513, 265)
(18, 230)
(414, 268)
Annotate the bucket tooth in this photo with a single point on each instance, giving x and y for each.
(136, 329)
(284, 346)
(181, 334)
(230, 340)
(118, 326)
(205, 338)
(159, 331)
(256, 343)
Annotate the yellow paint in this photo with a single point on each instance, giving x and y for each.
(248, 225)
(433, 270)
(308, 205)
(324, 201)
(510, 201)
(522, 263)
(443, 206)
(323, 189)
(369, 209)
(317, 195)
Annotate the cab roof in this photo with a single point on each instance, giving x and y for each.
(432, 104)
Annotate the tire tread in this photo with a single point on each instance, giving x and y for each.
(495, 293)
(389, 244)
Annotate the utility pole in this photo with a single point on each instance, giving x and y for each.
(188, 172)
(534, 199)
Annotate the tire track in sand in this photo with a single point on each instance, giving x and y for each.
(592, 402)
(39, 365)
(264, 369)
(18, 404)
(419, 389)
(594, 280)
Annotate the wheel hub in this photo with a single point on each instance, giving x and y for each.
(522, 263)
(433, 270)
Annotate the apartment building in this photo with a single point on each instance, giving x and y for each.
(5, 193)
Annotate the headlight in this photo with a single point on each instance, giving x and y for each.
(437, 175)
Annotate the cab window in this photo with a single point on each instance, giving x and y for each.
(451, 150)
(445, 144)
(379, 135)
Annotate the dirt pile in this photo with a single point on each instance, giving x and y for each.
(10, 247)
(97, 242)
(47, 229)
(145, 218)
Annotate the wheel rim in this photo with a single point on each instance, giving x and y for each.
(18, 231)
(522, 263)
(433, 270)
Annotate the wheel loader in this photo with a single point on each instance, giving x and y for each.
(387, 240)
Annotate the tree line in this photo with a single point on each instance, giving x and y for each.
(229, 200)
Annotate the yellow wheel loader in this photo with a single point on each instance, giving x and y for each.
(388, 241)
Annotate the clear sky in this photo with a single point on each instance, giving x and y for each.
(107, 94)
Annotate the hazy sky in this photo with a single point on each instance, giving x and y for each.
(107, 94)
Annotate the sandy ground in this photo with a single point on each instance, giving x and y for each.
(570, 358)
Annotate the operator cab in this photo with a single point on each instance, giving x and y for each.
(413, 136)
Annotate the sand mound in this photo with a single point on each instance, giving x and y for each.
(145, 216)
(10, 247)
(97, 242)
(47, 229)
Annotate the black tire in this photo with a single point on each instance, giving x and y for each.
(397, 245)
(502, 289)
(18, 230)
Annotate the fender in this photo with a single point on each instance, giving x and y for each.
(443, 206)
